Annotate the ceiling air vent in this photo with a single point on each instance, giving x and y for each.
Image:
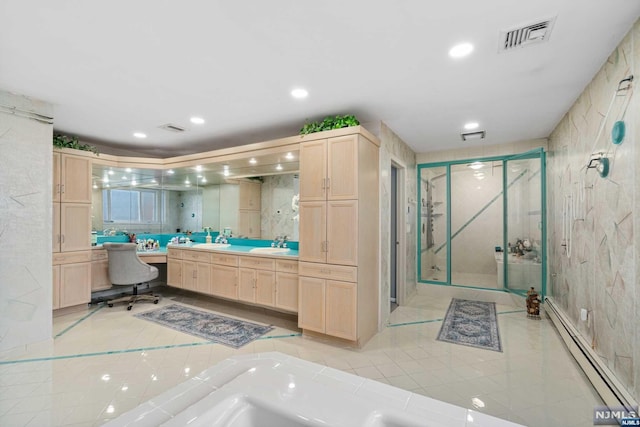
(172, 128)
(526, 35)
(473, 135)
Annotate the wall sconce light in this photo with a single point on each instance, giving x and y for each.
(600, 163)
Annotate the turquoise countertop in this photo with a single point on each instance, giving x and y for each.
(236, 248)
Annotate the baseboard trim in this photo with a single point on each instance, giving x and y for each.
(604, 381)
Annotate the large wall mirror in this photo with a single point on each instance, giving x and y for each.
(193, 198)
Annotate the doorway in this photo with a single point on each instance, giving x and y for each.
(396, 235)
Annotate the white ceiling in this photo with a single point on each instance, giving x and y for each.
(113, 68)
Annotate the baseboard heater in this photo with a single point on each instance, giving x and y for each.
(604, 381)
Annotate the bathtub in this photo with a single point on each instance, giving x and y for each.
(273, 389)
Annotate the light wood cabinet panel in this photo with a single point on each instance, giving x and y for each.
(265, 287)
(203, 278)
(57, 178)
(100, 275)
(224, 280)
(75, 186)
(247, 284)
(173, 252)
(174, 272)
(75, 285)
(311, 304)
(342, 168)
(342, 232)
(249, 224)
(313, 161)
(287, 291)
(57, 237)
(75, 226)
(341, 309)
(249, 198)
(312, 231)
(56, 287)
(189, 275)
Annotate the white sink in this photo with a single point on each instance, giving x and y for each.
(269, 250)
(211, 245)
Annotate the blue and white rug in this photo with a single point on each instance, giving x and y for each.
(204, 324)
(472, 323)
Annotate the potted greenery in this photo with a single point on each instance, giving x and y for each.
(329, 123)
(65, 141)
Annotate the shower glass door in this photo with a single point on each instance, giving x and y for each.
(432, 221)
(524, 218)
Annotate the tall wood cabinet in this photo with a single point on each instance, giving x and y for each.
(339, 233)
(245, 221)
(71, 229)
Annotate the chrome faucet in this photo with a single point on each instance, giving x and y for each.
(221, 238)
(279, 242)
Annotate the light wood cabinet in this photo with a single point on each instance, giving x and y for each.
(339, 233)
(250, 194)
(174, 267)
(286, 297)
(71, 225)
(196, 276)
(249, 224)
(99, 270)
(256, 286)
(242, 208)
(224, 281)
(71, 279)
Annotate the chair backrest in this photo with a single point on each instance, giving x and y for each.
(125, 267)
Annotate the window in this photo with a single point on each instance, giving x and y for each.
(131, 206)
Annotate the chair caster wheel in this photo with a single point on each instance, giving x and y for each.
(110, 305)
(129, 307)
(155, 301)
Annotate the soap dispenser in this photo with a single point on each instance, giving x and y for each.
(208, 237)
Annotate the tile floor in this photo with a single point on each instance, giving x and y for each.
(103, 362)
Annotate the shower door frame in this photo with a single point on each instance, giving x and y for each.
(536, 153)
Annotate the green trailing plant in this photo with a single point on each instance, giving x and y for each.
(66, 141)
(328, 123)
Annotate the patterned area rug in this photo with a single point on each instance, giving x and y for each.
(472, 323)
(213, 327)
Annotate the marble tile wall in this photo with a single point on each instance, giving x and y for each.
(25, 224)
(278, 217)
(599, 267)
(393, 149)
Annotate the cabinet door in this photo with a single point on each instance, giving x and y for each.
(313, 170)
(100, 275)
(312, 231)
(55, 191)
(342, 168)
(247, 284)
(76, 179)
(342, 232)
(224, 281)
(287, 291)
(249, 224)
(75, 227)
(265, 287)
(56, 287)
(75, 284)
(341, 310)
(174, 272)
(311, 303)
(189, 275)
(203, 278)
(56, 238)
(250, 196)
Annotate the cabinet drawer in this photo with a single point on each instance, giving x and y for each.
(71, 257)
(98, 254)
(258, 263)
(196, 256)
(286, 266)
(230, 260)
(328, 271)
(174, 253)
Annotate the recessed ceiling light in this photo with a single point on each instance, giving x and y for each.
(124, 178)
(170, 172)
(134, 182)
(204, 179)
(299, 93)
(253, 161)
(140, 135)
(199, 168)
(105, 179)
(471, 125)
(128, 170)
(110, 172)
(289, 156)
(226, 172)
(197, 120)
(475, 165)
(461, 50)
(279, 167)
(225, 167)
(95, 186)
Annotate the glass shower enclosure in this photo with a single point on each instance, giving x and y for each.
(482, 223)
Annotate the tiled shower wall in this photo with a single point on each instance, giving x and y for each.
(25, 224)
(394, 149)
(598, 269)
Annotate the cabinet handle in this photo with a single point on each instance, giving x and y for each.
(62, 188)
(328, 182)
(62, 238)
(323, 180)
(325, 271)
